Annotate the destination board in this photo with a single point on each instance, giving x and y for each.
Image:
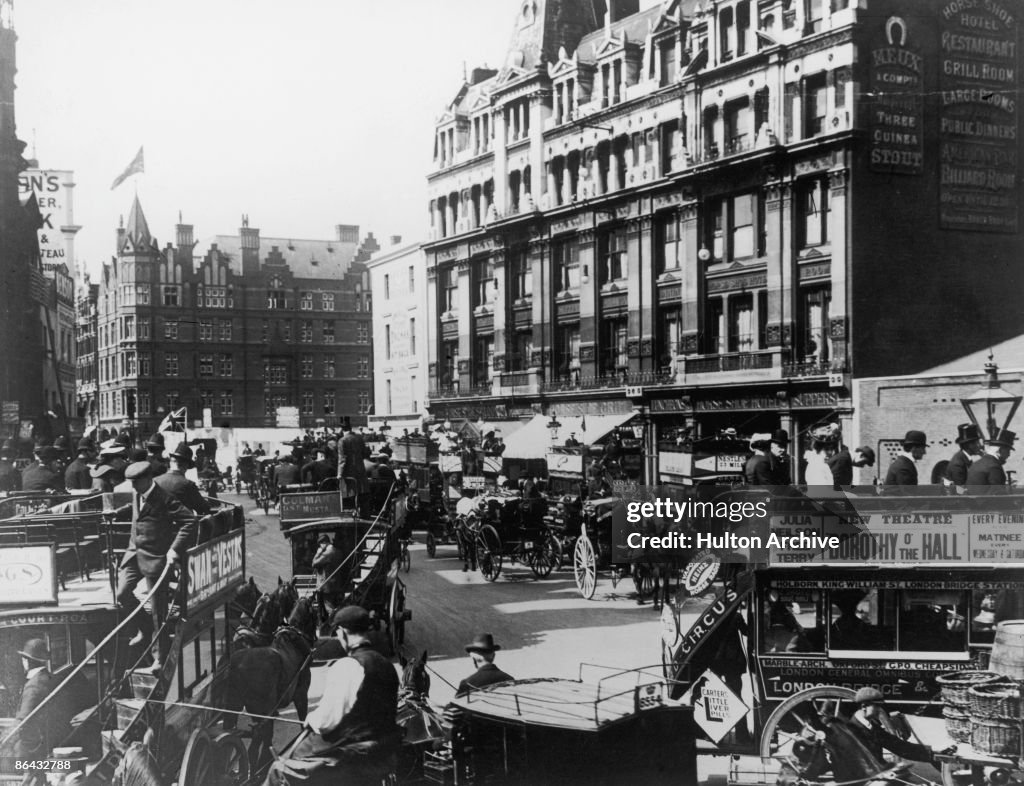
(309, 506)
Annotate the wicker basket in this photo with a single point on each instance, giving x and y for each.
(995, 737)
(995, 700)
(958, 723)
(956, 684)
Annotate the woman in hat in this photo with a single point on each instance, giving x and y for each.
(824, 440)
(481, 650)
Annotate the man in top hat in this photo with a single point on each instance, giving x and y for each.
(968, 441)
(571, 441)
(778, 447)
(353, 737)
(177, 485)
(10, 477)
(481, 650)
(987, 472)
(42, 476)
(351, 469)
(76, 476)
(33, 741)
(903, 470)
(155, 450)
(162, 529)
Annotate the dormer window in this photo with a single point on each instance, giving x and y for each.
(611, 83)
(668, 62)
(565, 101)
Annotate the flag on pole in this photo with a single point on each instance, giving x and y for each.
(175, 421)
(137, 165)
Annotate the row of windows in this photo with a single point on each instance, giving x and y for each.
(307, 403)
(128, 328)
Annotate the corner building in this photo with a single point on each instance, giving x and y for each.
(719, 213)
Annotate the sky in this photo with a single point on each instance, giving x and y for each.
(301, 114)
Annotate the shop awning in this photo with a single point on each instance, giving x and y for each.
(533, 440)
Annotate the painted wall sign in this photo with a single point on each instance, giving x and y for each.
(52, 189)
(215, 568)
(897, 142)
(978, 121)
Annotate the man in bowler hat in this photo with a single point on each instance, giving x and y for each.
(987, 473)
(968, 442)
(481, 650)
(76, 476)
(42, 476)
(155, 450)
(162, 529)
(178, 486)
(903, 470)
(33, 741)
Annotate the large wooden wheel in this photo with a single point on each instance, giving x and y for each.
(542, 558)
(584, 566)
(232, 759)
(796, 726)
(431, 545)
(199, 762)
(397, 615)
(488, 552)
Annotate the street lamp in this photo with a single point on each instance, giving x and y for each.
(991, 403)
(553, 427)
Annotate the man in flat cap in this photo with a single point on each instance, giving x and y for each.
(481, 650)
(873, 726)
(352, 734)
(903, 470)
(162, 529)
(42, 476)
(986, 475)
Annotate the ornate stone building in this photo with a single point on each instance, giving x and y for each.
(716, 213)
(240, 326)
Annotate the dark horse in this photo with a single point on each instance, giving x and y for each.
(262, 680)
(244, 602)
(259, 631)
(418, 719)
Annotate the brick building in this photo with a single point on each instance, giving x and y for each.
(719, 213)
(240, 326)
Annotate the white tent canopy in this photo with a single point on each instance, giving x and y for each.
(533, 440)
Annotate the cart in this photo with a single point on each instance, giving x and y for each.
(106, 702)
(911, 592)
(513, 528)
(247, 475)
(605, 727)
(266, 490)
(342, 557)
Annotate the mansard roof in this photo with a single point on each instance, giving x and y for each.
(631, 30)
(304, 258)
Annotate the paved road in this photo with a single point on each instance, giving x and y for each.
(545, 628)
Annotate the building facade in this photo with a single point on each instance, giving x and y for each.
(234, 329)
(400, 336)
(86, 364)
(25, 293)
(717, 214)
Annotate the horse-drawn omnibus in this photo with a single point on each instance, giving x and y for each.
(905, 600)
(105, 699)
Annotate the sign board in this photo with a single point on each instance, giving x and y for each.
(287, 417)
(492, 465)
(474, 482)
(9, 413)
(309, 506)
(701, 571)
(900, 537)
(564, 464)
(675, 463)
(207, 417)
(716, 709)
(449, 463)
(52, 189)
(215, 567)
(28, 575)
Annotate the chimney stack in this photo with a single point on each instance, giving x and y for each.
(396, 239)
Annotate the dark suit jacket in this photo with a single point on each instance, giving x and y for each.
(987, 471)
(316, 472)
(956, 470)
(841, 465)
(77, 476)
(163, 523)
(488, 674)
(758, 471)
(352, 449)
(184, 490)
(34, 742)
(286, 474)
(902, 472)
(10, 478)
(39, 478)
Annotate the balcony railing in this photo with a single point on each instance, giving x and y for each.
(814, 367)
(516, 379)
(741, 361)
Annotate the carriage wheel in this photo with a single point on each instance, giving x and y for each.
(554, 545)
(431, 545)
(396, 616)
(406, 559)
(584, 567)
(488, 552)
(790, 734)
(542, 560)
(199, 762)
(233, 759)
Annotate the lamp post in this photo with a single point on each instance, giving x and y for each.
(991, 408)
(553, 427)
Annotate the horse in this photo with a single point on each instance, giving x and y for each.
(287, 594)
(418, 719)
(246, 597)
(259, 632)
(262, 680)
